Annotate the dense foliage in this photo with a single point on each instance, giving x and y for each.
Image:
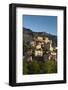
(36, 67)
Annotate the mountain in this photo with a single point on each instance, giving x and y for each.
(28, 35)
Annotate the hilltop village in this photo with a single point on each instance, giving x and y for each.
(41, 50)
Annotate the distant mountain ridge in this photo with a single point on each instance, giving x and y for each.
(28, 35)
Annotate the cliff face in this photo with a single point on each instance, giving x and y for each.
(29, 35)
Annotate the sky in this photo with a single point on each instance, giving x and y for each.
(41, 23)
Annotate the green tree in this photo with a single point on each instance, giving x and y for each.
(41, 65)
(50, 66)
(34, 67)
(25, 67)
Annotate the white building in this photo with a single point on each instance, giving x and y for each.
(38, 53)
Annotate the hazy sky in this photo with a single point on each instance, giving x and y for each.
(41, 23)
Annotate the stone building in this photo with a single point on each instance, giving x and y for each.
(33, 43)
(43, 48)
